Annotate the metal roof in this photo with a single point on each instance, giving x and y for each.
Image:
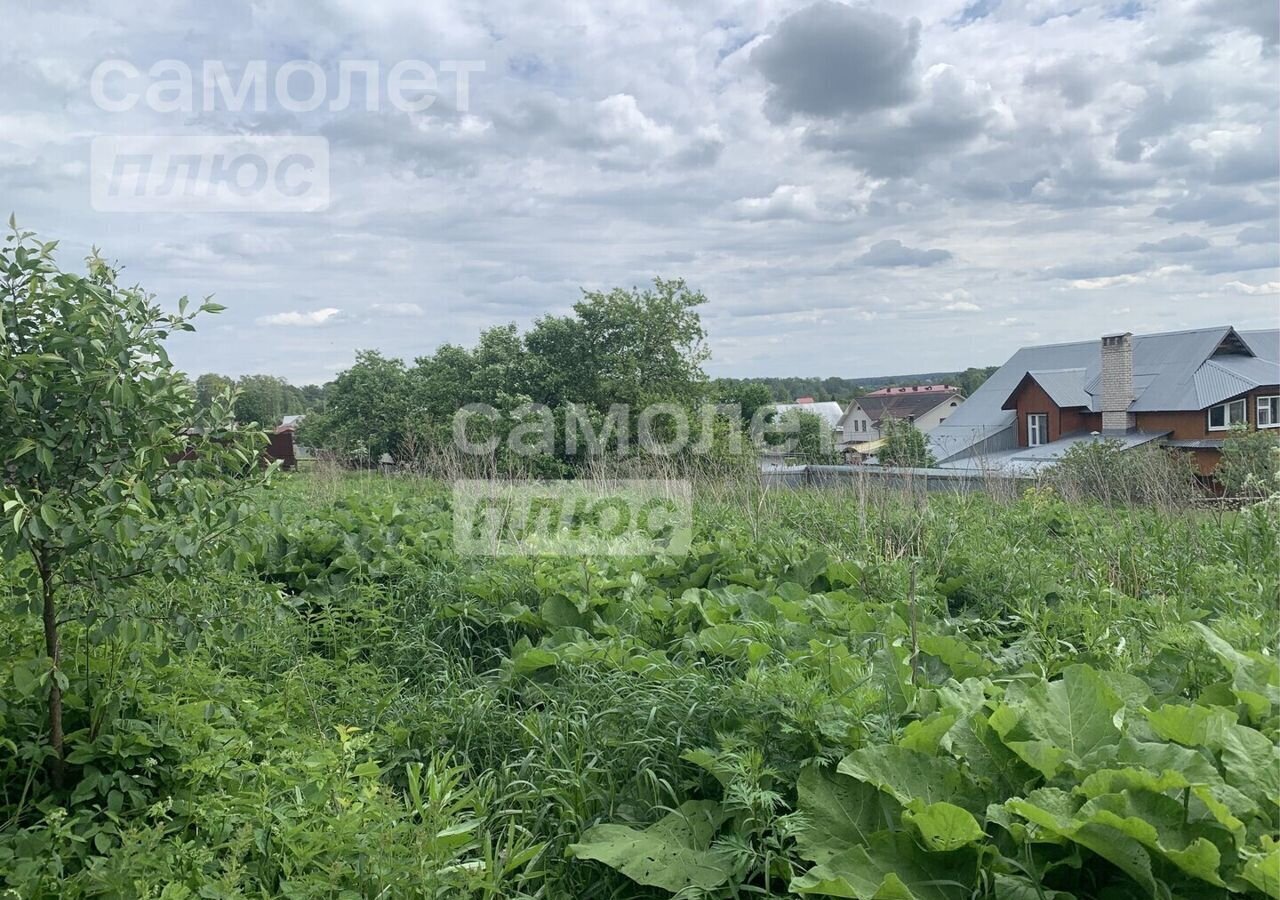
(1165, 370)
(1064, 386)
(907, 405)
(865, 446)
(1228, 376)
(1028, 460)
(1195, 443)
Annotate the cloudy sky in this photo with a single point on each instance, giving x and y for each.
(858, 189)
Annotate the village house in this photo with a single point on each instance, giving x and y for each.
(926, 406)
(1183, 389)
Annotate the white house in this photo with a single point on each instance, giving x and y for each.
(924, 406)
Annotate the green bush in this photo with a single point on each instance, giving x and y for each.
(1108, 472)
(1250, 464)
(904, 445)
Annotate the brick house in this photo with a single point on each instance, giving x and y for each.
(1183, 389)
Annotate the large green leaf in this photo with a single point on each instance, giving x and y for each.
(1263, 868)
(1157, 822)
(926, 735)
(987, 759)
(1016, 887)
(1255, 679)
(1252, 763)
(1153, 756)
(1054, 811)
(890, 867)
(908, 775)
(1191, 726)
(838, 812)
(956, 654)
(1066, 720)
(1126, 827)
(943, 826)
(1111, 781)
(673, 854)
(1215, 802)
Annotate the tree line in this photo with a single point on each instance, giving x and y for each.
(264, 399)
(633, 348)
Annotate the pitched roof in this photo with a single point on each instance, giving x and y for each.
(1227, 376)
(910, 405)
(1065, 387)
(1173, 371)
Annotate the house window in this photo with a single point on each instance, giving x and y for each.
(1037, 429)
(1269, 412)
(1224, 415)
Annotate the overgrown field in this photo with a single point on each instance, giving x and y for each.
(837, 693)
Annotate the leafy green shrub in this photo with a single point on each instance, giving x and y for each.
(109, 472)
(1107, 472)
(1250, 463)
(904, 445)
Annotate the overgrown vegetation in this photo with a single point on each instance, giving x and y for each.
(1250, 464)
(1105, 471)
(109, 475)
(836, 693)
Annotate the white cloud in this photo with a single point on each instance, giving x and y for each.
(1008, 156)
(398, 309)
(295, 319)
(959, 300)
(1098, 284)
(1270, 287)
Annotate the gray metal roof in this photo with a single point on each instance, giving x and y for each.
(1227, 376)
(1195, 443)
(1028, 460)
(1165, 368)
(1064, 386)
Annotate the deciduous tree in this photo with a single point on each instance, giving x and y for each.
(109, 473)
(904, 445)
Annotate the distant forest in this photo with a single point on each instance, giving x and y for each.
(842, 390)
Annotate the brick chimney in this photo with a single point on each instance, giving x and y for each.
(1117, 382)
